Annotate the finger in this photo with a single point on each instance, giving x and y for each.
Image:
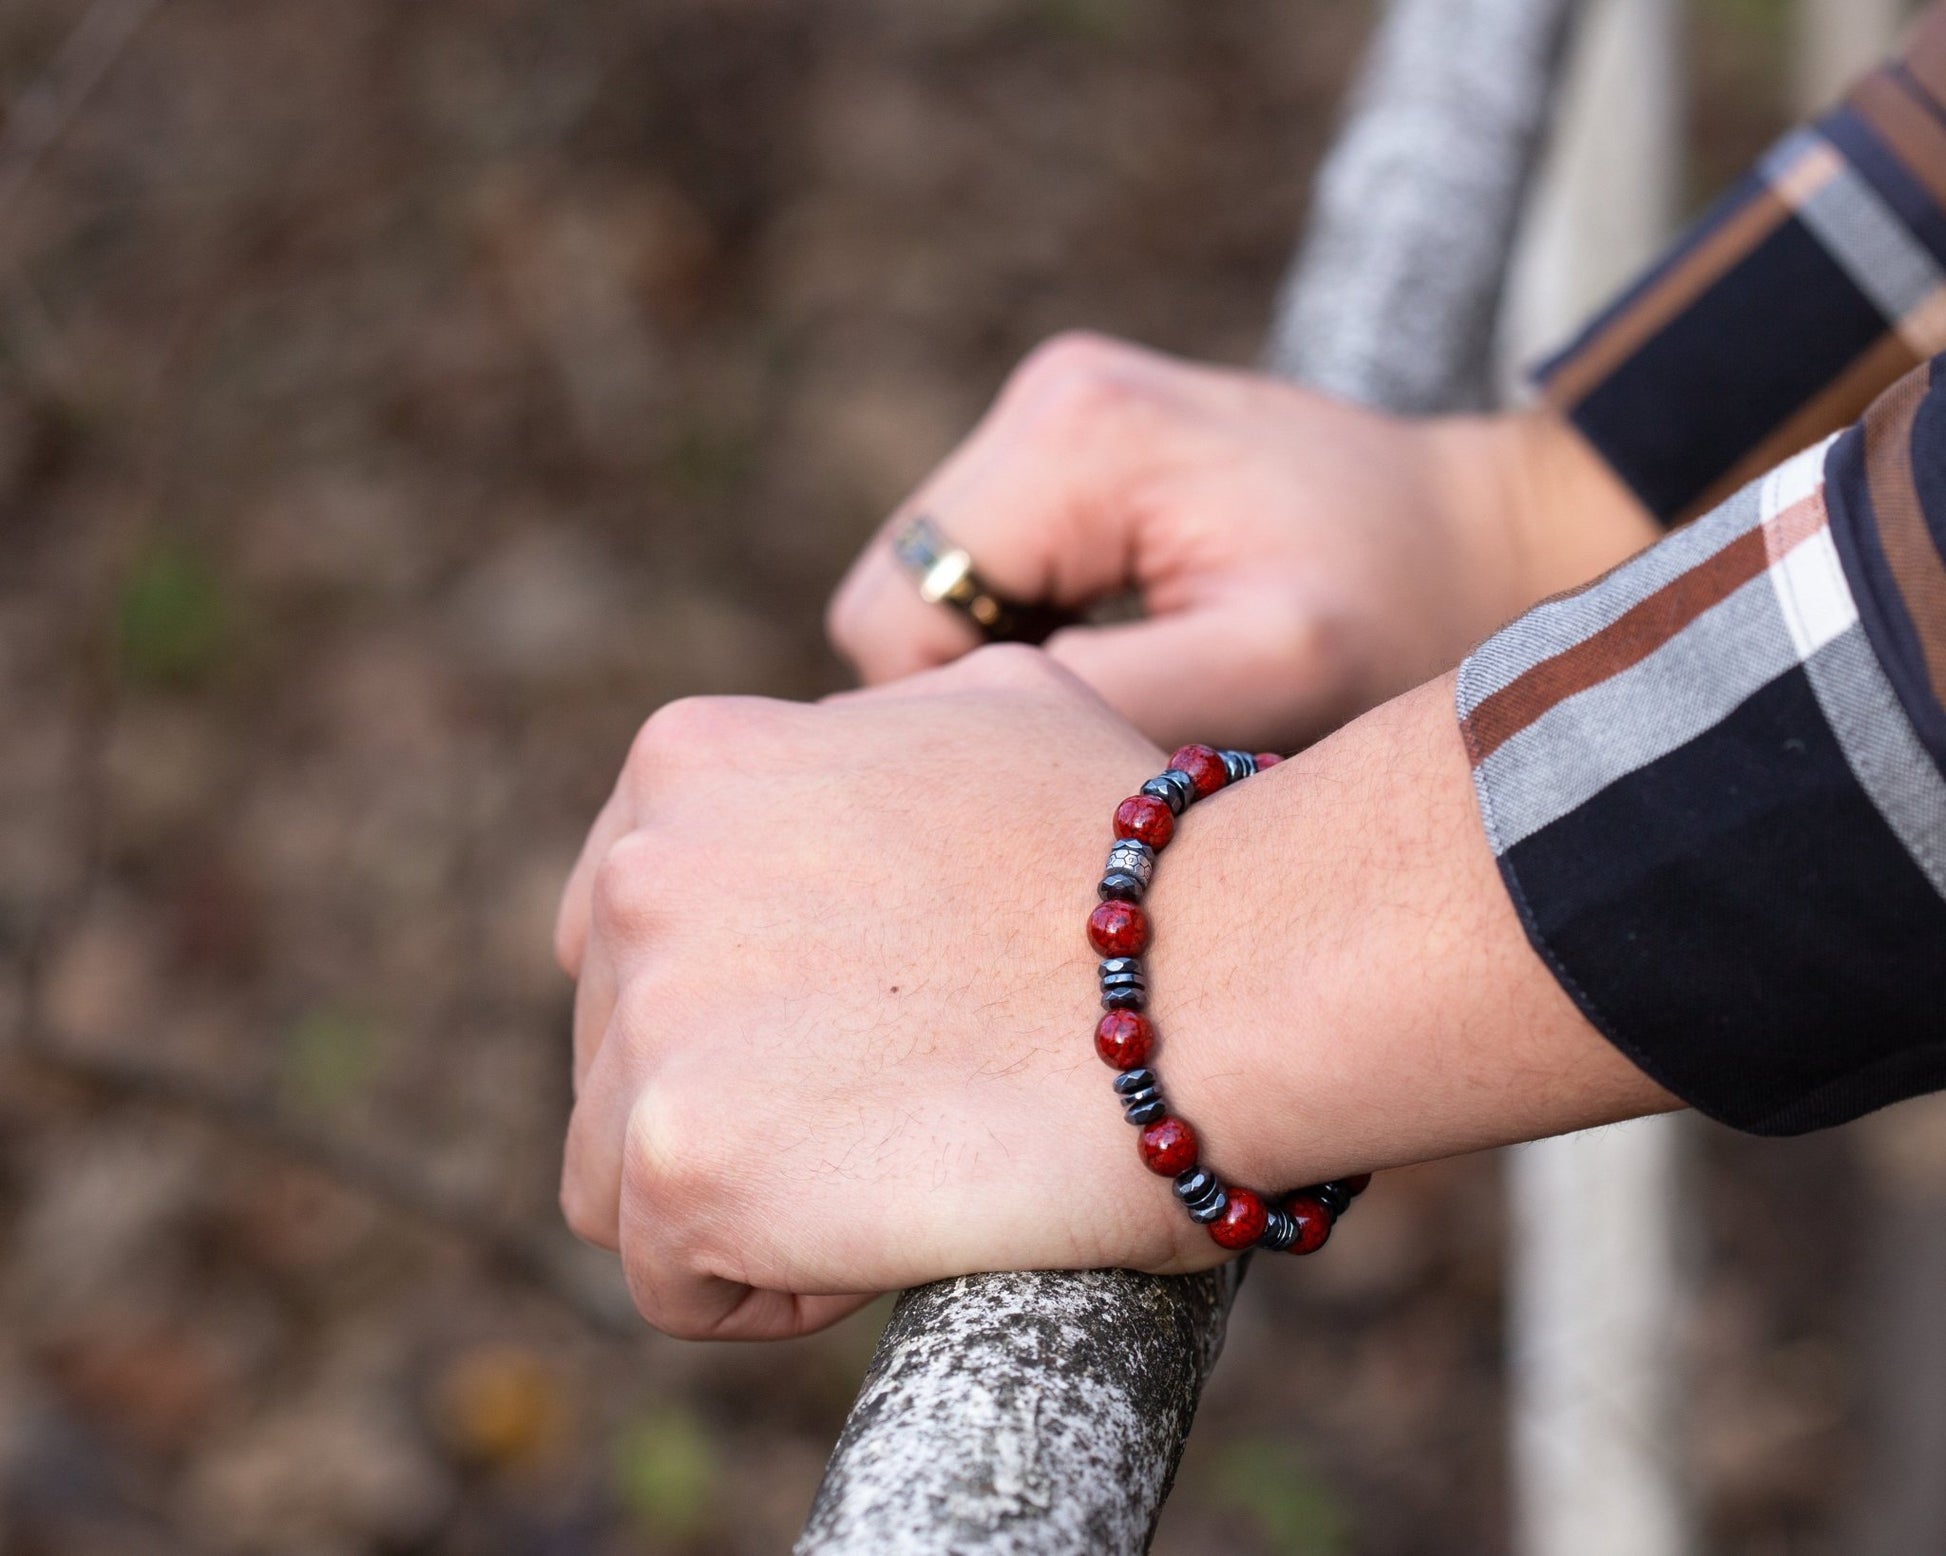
(1229, 679)
(571, 920)
(594, 1008)
(592, 1160)
(695, 1306)
(1039, 495)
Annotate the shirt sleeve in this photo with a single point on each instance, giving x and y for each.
(1811, 287)
(1715, 782)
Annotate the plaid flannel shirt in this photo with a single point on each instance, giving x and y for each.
(1715, 779)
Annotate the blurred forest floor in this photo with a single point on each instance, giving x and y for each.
(397, 402)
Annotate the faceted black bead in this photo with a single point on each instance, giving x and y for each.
(1121, 886)
(1135, 1080)
(1139, 1111)
(1201, 1193)
(1208, 1208)
(1175, 788)
(1238, 764)
(1335, 1197)
(1279, 1232)
(1195, 1183)
(1124, 986)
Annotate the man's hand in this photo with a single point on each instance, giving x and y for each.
(1299, 560)
(833, 1029)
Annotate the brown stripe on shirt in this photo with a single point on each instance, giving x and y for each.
(1910, 554)
(1907, 126)
(1639, 631)
(1925, 51)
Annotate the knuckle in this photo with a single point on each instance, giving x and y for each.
(1010, 665)
(1074, 377)
(663, 1162)
(623, 893)
(692, 733)
(671, 727)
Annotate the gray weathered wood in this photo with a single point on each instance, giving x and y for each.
(1045, 1413)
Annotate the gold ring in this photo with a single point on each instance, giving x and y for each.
(946, 576)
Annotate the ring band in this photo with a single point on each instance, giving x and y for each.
(946, 576)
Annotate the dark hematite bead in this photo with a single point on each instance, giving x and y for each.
(1175, 789)
(1357, 1183)
(1141, 1094)
(1238, 764)
(1120, 886)
(1201, 1193)
(1280, 1231)
(1124, 986)
(1335, 1197)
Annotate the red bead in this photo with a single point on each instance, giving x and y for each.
(1242, 1222)
(1267, 759)
(1145, 818)
(1124, 1038)
(1168, 1146)
(1357, 1183)
(1204, 766)
(1313, 1224)
(1118, 929)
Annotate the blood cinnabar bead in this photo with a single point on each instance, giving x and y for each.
(1145, 818)
(1313, 1224)
(1124, 1039)
(1118, 928)
(1267, 759)
(1242, 1222)
(1357, 1183)
(1204, 764)
(1168, 1146)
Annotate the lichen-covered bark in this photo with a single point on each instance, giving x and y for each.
(1043, 1414)
(1035, 1413)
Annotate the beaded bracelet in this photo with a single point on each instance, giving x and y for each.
(1118, 929)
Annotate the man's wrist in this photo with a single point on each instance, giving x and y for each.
(1529, 510)
(1573, 518)
(1341, 981)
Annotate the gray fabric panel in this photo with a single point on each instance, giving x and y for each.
(1893, 768)
(1582, 745)
(1875, 248)
(1555, 625)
